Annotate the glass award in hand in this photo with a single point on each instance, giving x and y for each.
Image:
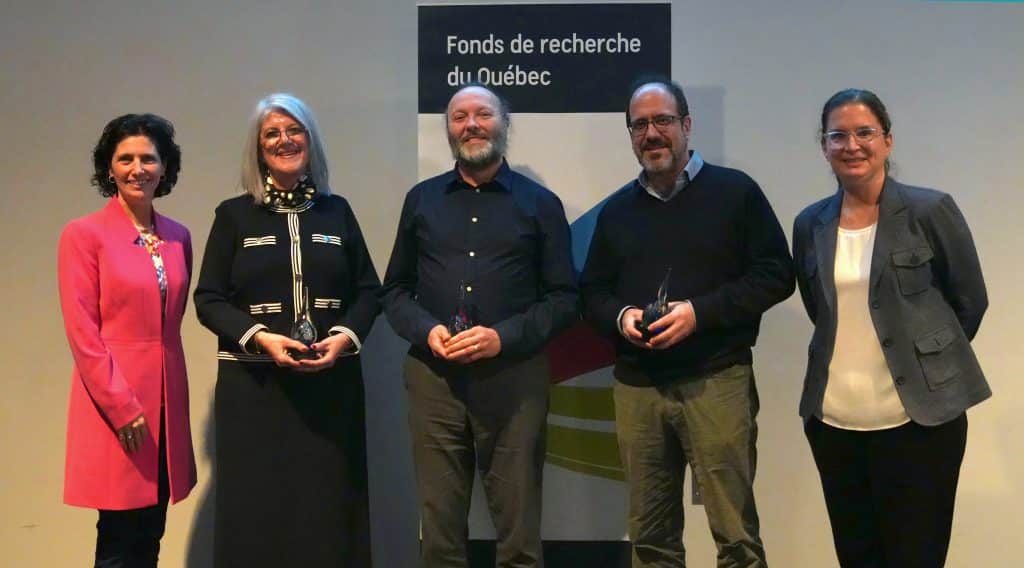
(462, 319)
(655, 310)
(303, 330)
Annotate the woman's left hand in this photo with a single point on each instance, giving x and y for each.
(133, 434)
(329, 349)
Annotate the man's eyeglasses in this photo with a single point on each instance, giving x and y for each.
(840, 138)
(639, 126)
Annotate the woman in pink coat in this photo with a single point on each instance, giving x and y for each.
(124, 274)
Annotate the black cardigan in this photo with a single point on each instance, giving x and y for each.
(258, 259)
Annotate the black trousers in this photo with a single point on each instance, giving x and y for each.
(890, 493)
(131, 538)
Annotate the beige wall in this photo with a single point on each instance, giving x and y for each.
(950, 72)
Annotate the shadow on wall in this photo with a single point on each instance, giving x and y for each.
(200, 540)
(394, 520)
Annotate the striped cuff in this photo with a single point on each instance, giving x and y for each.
(244, 357)
(247, 336)
(351, 335)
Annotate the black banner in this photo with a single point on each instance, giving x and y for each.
(546, 58)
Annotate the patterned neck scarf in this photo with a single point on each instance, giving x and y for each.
(303, 191)
(149, 239)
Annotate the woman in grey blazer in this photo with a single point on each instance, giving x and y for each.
(890, 278)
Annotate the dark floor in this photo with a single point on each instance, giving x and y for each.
(561, 554)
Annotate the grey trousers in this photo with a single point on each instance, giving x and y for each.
(493, 422)
(708, 422)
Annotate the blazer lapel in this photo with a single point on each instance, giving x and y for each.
(124, 235)
(173, 257)
(892, 222)
(117, 224)
(825, 234)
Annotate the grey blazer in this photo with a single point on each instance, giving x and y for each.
(927, 297)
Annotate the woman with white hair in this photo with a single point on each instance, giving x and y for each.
(288, 287)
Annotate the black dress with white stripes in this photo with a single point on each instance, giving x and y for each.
(290, 459)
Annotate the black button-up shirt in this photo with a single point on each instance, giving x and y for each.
(506, 243)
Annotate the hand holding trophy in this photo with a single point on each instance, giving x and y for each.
(303, 330)
(655, 310)
(463, 318)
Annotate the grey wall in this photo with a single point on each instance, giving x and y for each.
(950, 72)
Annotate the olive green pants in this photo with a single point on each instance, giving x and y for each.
(708, 422)
(493, 422)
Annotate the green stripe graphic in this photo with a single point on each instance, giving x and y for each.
(585, 451)
(591, 403)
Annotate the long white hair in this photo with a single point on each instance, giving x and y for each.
(253, 170)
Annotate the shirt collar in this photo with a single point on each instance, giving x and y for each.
(502, 179)
(693, 167)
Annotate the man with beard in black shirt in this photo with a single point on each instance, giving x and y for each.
(480, 278)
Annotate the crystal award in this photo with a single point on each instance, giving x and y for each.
(655, 310)
(462, 319)
(303, 330)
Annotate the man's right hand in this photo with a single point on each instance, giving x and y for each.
(436, 339)
(628, 324)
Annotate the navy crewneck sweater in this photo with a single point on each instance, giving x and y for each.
(728, 256)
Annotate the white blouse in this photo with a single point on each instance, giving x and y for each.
(860, 394)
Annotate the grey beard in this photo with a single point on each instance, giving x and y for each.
(486, 156)
(657, 168)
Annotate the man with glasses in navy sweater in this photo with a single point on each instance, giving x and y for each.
(684, 390)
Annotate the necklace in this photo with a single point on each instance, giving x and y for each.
(303, 191)
(149, 239)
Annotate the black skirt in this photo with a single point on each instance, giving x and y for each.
(290, 467)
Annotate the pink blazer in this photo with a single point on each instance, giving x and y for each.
(125, 359)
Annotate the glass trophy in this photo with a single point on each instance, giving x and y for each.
(655, 310)
(303, 330)
(463, 318)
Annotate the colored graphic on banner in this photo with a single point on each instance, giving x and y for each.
(582, 447)
(543, 58)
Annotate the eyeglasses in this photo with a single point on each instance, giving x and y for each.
(660, 122)
(840, 138)
(273, 135)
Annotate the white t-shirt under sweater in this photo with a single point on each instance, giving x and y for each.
(860, 394)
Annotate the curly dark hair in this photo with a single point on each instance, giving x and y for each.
(159, 130)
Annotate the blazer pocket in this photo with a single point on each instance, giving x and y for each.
(939, 356)
(913, 269)
(327, 303)
(267, 308)
(326, 239)
(267, 240)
